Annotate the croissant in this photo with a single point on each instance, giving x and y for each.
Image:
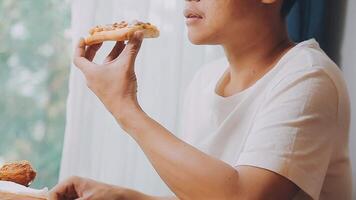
(18, 172)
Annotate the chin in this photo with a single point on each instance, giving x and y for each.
(196, 40)
(199, 38)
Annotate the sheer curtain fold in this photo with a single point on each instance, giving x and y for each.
(95, 146)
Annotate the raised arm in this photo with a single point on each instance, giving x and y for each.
(190, 173)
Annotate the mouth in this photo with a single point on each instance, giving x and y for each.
(192, 16)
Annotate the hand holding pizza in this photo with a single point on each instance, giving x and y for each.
(114, 81)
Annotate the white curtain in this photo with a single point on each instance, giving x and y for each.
(95, 146)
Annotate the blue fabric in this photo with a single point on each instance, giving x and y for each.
(307, 20)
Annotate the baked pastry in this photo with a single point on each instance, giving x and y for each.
(120, 32)
(14, 181)
(18, 172)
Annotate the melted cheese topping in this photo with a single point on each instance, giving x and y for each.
(117, 26)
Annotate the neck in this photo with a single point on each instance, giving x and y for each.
(250, 59)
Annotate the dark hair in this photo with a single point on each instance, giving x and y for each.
(287, 6)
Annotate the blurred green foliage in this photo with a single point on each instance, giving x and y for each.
(34, 68)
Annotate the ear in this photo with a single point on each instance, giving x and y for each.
(269, 1)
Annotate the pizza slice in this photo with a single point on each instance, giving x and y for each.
(120, 32)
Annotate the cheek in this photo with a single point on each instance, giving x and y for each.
(211, 29)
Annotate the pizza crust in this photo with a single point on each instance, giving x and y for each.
(100, 34)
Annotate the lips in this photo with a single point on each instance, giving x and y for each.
(190, 13)
(193, 16)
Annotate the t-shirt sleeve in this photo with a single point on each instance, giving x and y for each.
(294, 130)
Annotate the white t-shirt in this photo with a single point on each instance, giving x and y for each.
(293, 121)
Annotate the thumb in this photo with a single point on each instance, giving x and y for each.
(133, 47)
(79, 58)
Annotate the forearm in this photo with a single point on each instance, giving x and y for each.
(190, 173)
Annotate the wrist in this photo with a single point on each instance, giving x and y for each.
(129, 117)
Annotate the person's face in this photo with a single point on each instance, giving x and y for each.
(216, 21)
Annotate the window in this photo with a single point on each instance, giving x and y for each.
(34, 68)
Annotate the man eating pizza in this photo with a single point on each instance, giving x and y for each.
(270, 121)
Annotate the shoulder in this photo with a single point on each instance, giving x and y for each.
(308, 64)
(307, 57)
(309, 79)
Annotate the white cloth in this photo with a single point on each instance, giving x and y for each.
(293, 121)
(94, 145)
(16, 189)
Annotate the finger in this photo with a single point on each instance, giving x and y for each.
(80, 48)
(91, 51)
(116, 51)
(133, 47)
(79, 57)
(65, 190)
